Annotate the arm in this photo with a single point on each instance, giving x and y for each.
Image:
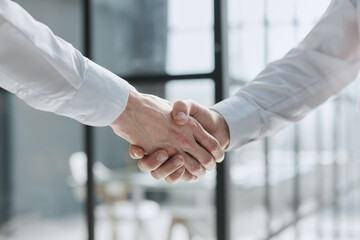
(49, 74)
(147, 122)
(326, 61)
(156, 162)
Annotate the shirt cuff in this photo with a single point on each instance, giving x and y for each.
(100, 100)
(243, 119)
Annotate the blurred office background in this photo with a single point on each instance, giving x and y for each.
(300, 184)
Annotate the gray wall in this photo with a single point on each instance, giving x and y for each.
(41, 145)
(64, 17)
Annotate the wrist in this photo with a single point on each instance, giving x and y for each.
(222, 133)
(123, 124)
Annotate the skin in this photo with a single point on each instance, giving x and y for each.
(182, 111)
(147, 122)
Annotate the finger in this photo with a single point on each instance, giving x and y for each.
(174, 177)
(193, 166)
(210, 143)
(153, 161)
(184, 108)
(188, 177)
(136, 152)
(196, 150)
(180, 112)
(169, 167)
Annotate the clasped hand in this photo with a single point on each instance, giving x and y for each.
(147, 123)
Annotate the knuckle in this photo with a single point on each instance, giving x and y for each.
(197, 170)
(214, 146)
(192, 124)
(184, 140)
(209, 162)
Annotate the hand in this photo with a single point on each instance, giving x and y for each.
(212, 121)
(147, 122)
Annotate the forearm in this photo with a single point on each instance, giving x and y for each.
(323, 64)
(51, 75)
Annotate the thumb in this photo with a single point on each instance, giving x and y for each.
(180, 112)
(136, 152)
(183, 109)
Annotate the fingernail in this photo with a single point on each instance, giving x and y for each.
(135, 154)
(221, 159)
(179, 170)
(161, 157)
(178, 162)
(180, 115)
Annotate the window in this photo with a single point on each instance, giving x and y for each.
(304, 166)
(167, 48)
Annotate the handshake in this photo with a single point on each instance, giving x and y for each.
(174, 142)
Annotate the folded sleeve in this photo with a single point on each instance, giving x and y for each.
(49, 74)
(324, 63)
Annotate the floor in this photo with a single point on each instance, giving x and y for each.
(340, 222)
(32, 227)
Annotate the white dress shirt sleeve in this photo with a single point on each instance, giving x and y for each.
(49, 74)
(325, 62)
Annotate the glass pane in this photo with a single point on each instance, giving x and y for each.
(341, 155)
(247, 174)
(246, 55)
(153, 37)
(352, 128)
(280, 11)
(309, 11)
(201, 91)
(308, 163)
(190, 52)
(327, 158)
(189, 14)
(281, 40)
(282, 172)
(245, 12)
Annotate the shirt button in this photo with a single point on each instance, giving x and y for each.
(22, 93)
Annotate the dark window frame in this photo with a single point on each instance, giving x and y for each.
(216, 75)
